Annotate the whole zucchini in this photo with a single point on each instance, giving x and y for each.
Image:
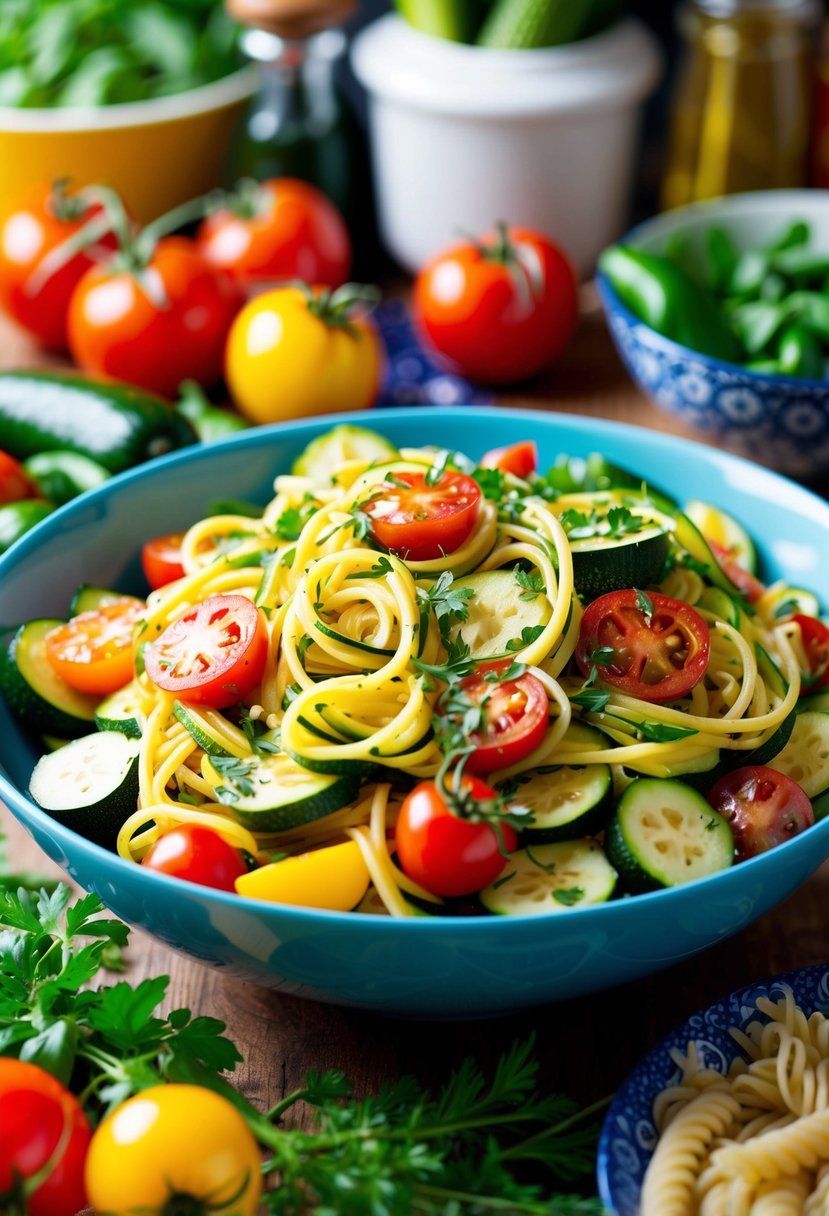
(115, 424)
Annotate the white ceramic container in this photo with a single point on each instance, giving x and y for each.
(463, 136)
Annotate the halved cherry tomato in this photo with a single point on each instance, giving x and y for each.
(764, 808)
(161, 560)
(278, 230)
(815, 637)
(174, 1149)
(37, 1115)
(197, 854)
(93, 652)
(445, 854)
(419, 521)
(14, 484)
(213, 655)
(520, 458)
(32, 228)
(515, 717)
(742, 579)
(656, 656)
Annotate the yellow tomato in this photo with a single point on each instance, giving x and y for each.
(335, 878)
(174, 1141)
(293, 354)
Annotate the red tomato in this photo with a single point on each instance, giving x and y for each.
(742, 579)
(32, 228)
(93, 652)
(154, 327)
(500, 309)
(420, 522)
(213, 655)
(764, 808)
(280, 229)
(656, 657)
(161, 560)
(443, 853)
(14, 484)
(520, 459)
(815, 637)
(515, 717)
(36, 1113)
(197, 854)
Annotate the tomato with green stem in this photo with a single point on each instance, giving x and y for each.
(212, 655)
(764, 808)
(174, 1149)
(161, 559)
(647, 645)
(420, 517)
(446, 854)
(282, 228)
(93, 652)
(39, 269)
(44, 1143)
(513, 715)
(501, 308)
(197, 854)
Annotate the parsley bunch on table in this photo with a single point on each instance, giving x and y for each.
(466, 1151)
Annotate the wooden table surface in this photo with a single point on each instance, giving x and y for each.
(587, 1046)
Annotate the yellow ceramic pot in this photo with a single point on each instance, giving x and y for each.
(157, 153)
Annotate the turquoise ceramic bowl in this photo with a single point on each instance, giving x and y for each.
(421, 967)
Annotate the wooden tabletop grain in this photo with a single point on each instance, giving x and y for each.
(585, 1047)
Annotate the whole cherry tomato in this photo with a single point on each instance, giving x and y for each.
(649, 646)
(197, 854)
(764, 808)
(293, 353)
(278, 229)
(815, 637)
(174, 1148)
(155, 325)
(93, 652)
(161, 560)
(212, 655)
(514, 716)
(14, 484)
(519, 458)
(420, 521)
(37, 1116)
(444, 853)
(36, 282)
(500, 309)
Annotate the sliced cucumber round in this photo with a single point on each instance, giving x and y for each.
(35, 692)
(805, 758)
(339, 445)
(498, 613)
(273, 793)
(122, 711)
(548, 878)
(565, 802)
(90, 785)
(665, 834)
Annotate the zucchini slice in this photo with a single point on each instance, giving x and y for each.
(565, 802)
(35, 692)
(90, 785)
(121, 711)
(805, 758)
(720, 604)
(665, 834)
(341, 444)
(88, 598)
(721, 528)
(689, 538)
(498, 613)
(551, 878)
(273, 793)
(199, 728)
(781, 602)
(607, 557)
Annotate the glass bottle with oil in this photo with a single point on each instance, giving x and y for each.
(742, 106)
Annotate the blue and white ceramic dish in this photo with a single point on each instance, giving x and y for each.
(629, 1135)
(429, 966)
(778, 420)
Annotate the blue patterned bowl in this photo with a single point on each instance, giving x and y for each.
(461, 966)
(629, 1135)
(777, 420)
